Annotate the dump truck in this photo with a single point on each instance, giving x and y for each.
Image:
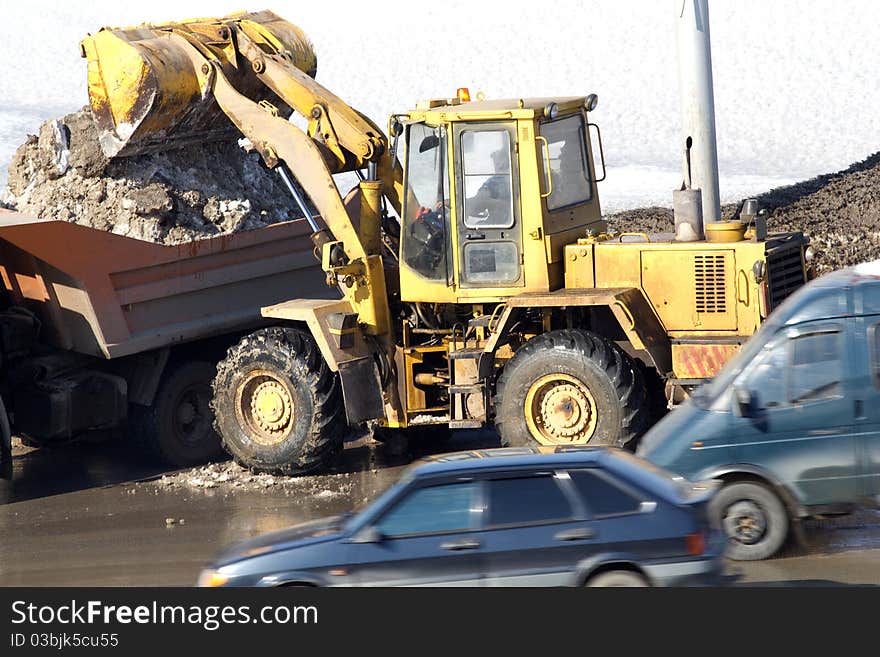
(102, 331)
(472, 282)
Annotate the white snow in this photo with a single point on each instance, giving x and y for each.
(794, 80)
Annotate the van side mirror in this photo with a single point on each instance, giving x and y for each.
(368, 535)
(743, 402)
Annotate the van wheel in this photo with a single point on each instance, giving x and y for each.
(178, 426)
(753, 518)
(617, 578)
(277, 405)
(570, 387)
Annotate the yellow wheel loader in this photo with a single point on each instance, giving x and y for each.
(475, 283)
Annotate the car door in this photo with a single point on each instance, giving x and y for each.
(801, 425)
(534, 531)
(428, 536)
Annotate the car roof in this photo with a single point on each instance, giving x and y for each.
(504, 458)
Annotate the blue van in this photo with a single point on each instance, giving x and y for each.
(791, 424)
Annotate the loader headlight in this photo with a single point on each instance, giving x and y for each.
(759, 269)
(809, 254)
(591, 101)
(551, 110)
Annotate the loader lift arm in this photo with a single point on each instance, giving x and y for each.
(143, 102)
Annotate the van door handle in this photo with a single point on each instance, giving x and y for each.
(580, 534)
(859, 409)
(461, 544)
(474, 236)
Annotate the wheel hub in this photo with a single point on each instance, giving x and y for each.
(266, 408)
(560, 410)
(745, 522)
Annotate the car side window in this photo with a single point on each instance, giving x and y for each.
(816, 367)
(433, 509)
(526, 500)
(601, 495)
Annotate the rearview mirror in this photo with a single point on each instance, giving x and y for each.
(743, 402)
(429, 142)
(368, 535)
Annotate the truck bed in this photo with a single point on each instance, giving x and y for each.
(107, 295)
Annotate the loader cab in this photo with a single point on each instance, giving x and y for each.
(494, 190)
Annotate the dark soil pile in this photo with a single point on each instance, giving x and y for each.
(839, 212)
(169, 198)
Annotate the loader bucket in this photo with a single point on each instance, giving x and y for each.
(145, 93)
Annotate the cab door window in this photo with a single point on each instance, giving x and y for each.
(801, 369)
(487, 179)
(489, 234)
(816, 368)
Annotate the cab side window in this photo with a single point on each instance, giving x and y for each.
(802, 369)
(816, 367)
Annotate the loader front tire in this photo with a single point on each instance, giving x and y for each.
(570, 387)
(277, 405)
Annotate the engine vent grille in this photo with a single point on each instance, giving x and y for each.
(786, 271)
(709, 284)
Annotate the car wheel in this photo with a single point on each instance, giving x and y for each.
(753, 518)
(617, 578)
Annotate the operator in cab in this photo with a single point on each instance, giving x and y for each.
(492, 203)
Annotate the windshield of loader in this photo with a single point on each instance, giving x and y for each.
(424, 236)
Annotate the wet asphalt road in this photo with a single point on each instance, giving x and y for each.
(93, 514)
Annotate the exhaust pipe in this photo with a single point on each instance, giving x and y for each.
(698, 200)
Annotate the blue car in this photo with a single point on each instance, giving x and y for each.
(501, 517)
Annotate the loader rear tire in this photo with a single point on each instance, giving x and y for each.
(178, 427)
(277, 405)
(570, 387)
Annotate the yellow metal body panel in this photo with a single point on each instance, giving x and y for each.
(314, 313)
(700, 361)
(691, 290)
(694, 288)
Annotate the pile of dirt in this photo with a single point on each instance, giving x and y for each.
(839, 212)
(170, 197)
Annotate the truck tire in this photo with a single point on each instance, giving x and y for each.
(277, 405)
(178, 427)
(570, 387)
(752, 517)
(5, 456)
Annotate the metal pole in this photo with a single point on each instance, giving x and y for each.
(698, 147)
(285, 176)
